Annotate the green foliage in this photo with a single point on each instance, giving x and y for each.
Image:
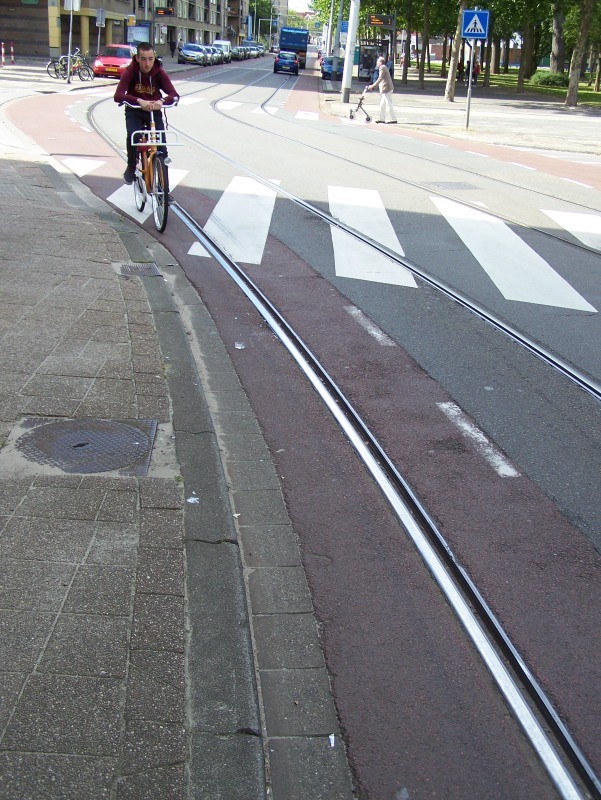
(549, 79)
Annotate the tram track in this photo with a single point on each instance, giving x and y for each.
(556, 362)
(415, 520)
(516, 682)
(462, 594)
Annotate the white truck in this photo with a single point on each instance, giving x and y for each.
(226, 47)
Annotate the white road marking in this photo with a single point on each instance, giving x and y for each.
(228, 105)
(474, 153)
(313, 115)
(578, 183)
(486, 449)
(369, 326)
(189, 101)
(240, 221)
(272, 109)
(363, 210)
(82, 166)
(522, 166)
(516, 269)
(586, 227)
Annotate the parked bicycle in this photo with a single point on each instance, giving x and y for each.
(152, 176)
(58, 67)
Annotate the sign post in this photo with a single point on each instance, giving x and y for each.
(71, 6)
(474, 26)
(100, 23)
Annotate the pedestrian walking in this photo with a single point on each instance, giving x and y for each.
(172, 47)
(386, 86)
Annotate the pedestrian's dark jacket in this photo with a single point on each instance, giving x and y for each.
(134, 84)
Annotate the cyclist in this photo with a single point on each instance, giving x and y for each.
(145, 84)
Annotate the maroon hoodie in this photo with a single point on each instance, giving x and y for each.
(154, 85)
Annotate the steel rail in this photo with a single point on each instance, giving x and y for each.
(465, 599)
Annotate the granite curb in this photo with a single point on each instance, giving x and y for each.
(159, 633)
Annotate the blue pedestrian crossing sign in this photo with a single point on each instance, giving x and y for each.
(474, 24)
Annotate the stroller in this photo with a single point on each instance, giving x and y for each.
(353, 112)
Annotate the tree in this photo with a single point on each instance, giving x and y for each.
(586, 15)
(558, 45)
(449, 92)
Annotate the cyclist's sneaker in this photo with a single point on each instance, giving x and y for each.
(129, 175)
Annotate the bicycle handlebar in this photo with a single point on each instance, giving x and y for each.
(135, 105)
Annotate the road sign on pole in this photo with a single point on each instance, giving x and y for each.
(474, 24)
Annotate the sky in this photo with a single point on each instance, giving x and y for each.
(298, 5)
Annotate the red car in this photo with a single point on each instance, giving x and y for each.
(113, 59)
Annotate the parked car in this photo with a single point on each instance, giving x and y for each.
(236, 54)
(192, 54)
(226, 48)
(327, 69)
(209, 54)
(113, 59)
(217, 54)
(286, 62)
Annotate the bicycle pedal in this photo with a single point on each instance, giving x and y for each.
(167, 161)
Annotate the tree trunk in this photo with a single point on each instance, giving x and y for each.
(535, 55)
(526, 56)
(407, 53)
(586, 13)
(506, 55)
(425, 48)
(598, 75)
(445, 45)
(592, 63)
(496, 55)
(558, 45)
(449, 93)
(486, 63)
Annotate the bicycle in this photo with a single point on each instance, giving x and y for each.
(152, 176)
(57, 67)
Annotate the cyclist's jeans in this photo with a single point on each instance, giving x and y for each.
(135, 120)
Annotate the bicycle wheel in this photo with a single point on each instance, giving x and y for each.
(139, 191)
(85, 73)
(54, 69)
(160, 201)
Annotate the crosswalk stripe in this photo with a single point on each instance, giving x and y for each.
(82, 166)
(228, 105)
(189, 101)
(516, 269)
(363, 210)
(586, 227)
(240, 221)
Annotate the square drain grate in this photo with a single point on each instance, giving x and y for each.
(149, 270)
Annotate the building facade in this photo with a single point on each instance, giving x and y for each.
(41, 27)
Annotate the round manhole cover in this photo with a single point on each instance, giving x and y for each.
(84, 445)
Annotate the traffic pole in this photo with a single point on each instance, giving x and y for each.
(3, 64)
(12, 53)
(349, 55)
